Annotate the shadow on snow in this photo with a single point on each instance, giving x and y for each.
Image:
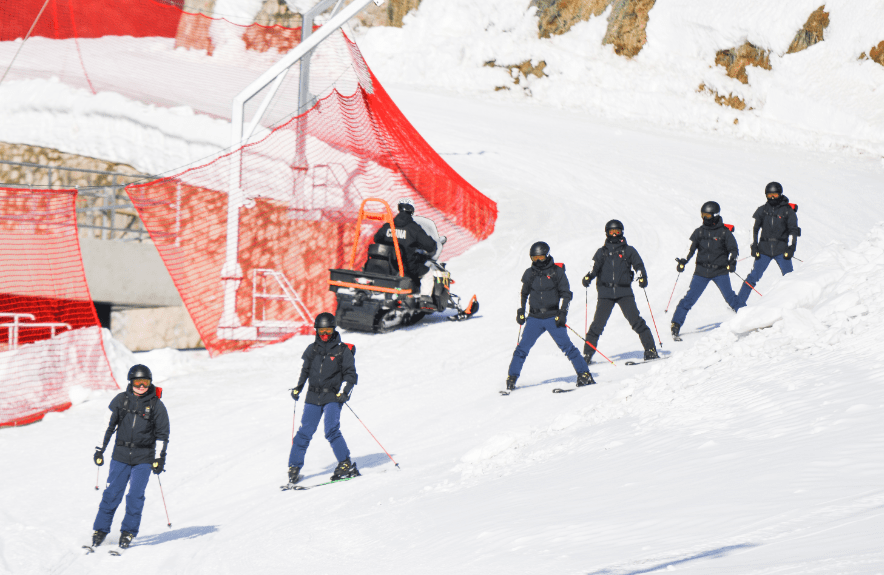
(711, 554)
(175, 534)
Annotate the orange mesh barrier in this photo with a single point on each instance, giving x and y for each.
(249, 236)
(50, 338)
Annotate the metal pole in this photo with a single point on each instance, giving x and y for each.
(28, 35)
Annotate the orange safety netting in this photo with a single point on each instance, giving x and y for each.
(50, 338)
(249, 236)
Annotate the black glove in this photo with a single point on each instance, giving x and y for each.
(159, 463)
(790, 251)
(561, 319)
(732, 266)
(296, 393)
(681, 264)
(587, 279)
(756, 253)
(520, 316)
(99, 456)
(344, 395)
(642, 282)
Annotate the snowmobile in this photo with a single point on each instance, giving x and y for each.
(379, 297)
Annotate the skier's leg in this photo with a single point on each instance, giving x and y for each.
(135, 498)
(117, 478)
(533, 330)
(332, 415)
(560, 336)
(698, 284)
(602, 312)
(757, 271)
(785, 265)
(724, 286)
(638, 325)
(309, 423)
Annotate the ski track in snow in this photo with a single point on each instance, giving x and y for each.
(757, 448)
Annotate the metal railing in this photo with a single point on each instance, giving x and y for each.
(102, 204)
(16, 326)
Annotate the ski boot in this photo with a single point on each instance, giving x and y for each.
(584, 378)
(511, 382)
(345, 470)
(675, 328)
(126, 539)
(588, 358)
(294, 474)
(98, 538)
(651, 354)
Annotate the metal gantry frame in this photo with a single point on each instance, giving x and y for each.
(229, 326)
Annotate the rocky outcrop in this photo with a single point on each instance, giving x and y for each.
(519, 72)
(193, 28)
(735, 60)
(876, 54)
(812, 31)
(391, 13)
(23, 176)
(558, 16)
(730, 100)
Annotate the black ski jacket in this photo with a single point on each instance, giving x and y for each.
(543, 285)
(140, 421)
(328, 367)
(412, 237)
(612, 268)
(776, 224)
(714, 244)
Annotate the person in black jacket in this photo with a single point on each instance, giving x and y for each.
(776, 220)
(415, 244)
(330, 370)
(613, 265)
(716, 257)
(544, 285)
(140, 420)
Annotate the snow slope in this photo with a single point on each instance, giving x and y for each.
(755, 448)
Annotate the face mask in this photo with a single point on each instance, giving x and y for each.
(709, 222)
(773, 201)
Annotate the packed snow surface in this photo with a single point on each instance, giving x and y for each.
(755, 448)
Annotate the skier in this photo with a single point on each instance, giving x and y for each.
(415, 245)
(612, 265)
(330, 370)
(543, 285)
(141, 421)
(777, 221)
(716, 257)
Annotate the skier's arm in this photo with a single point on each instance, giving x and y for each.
(637, 263)
(424, 241)
(161, 427)
(348, 372)
(526, 288)
(112, 424)
(307, 358)
(564, 289)
(730, 242)
(381, 234)
(793, 229)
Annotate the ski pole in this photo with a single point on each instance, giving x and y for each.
(586, 313)
(519, 337)
(652, 318)
(372, 434)
(672, 294)
(97, 473)
(590, 345)
(168, 521)
(748, 284)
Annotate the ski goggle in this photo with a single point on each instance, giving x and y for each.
(538, 258)
(325, 330)
(145, 383)
(614, 232)
(705, 216)
(772, 195)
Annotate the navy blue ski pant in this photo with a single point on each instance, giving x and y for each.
(309, 423)
(758, 270)
(534, 328)
(698, 284)
(119, 476)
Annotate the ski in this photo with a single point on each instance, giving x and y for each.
(290, 487)
(645, 361)
(506, 391)
(562, 390)
(676, 338)
(89, 549)
(115, 552)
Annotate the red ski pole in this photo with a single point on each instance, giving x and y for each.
(652, 317)
(590, 345)
(168, 521)
(748, 284)
(373, 437)
(672, 294)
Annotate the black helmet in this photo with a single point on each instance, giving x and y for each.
(324, 320)
(539, 249)
(406, 205)
(139, 372)
(711, 208)
(614, 225)
(773, 188)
